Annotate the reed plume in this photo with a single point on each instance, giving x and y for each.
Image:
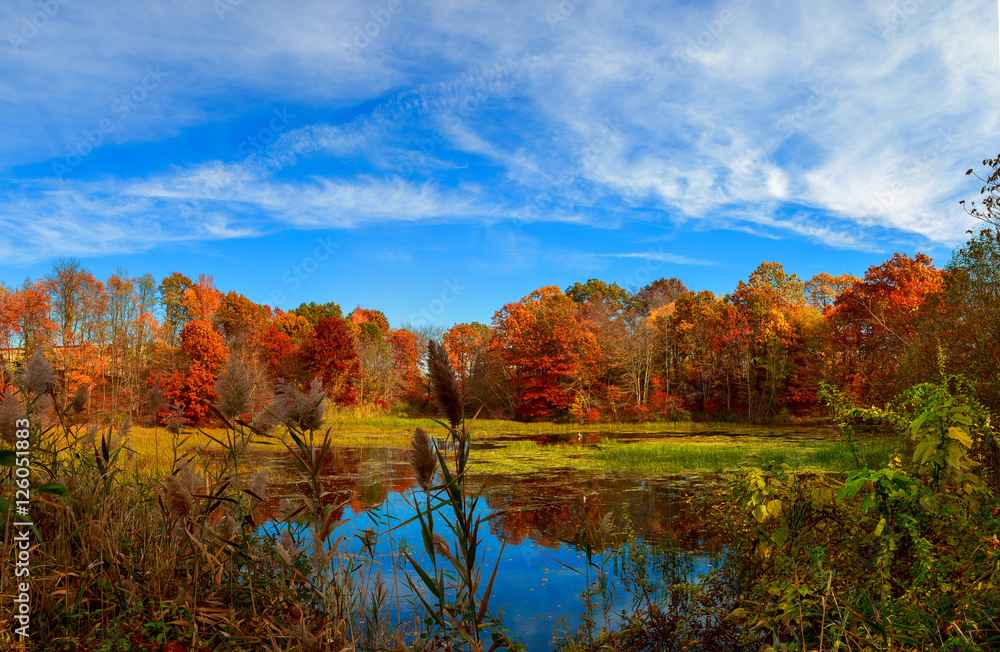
(302, 410)
(265, 420)
(422, 458)
(234, 388)
(441, 546)
(287, 548)
(155, 400)
(10, 411)
(259, 486)
(444, 386)
(180, 502)
(78, 403)
(38, 377)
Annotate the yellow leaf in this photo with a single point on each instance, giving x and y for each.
(960, 436)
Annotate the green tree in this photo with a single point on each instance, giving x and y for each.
(175, 310)
(316, 311)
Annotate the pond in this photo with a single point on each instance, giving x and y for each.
(543, 491)
(538, 521)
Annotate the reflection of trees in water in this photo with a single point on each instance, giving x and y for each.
(549, 509)
(359, 478)
(650, 571)
(545, 509)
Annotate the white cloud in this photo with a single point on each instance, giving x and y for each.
(487, 112)
(661, 257)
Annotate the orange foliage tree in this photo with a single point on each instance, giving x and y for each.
(875, 320)
(330, 353)
(193, 386)
(464, 344)
(548, 353)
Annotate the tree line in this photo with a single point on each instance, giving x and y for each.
(592, 351)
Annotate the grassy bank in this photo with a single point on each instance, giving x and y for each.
(693, 446)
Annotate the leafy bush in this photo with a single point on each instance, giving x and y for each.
(900, 557)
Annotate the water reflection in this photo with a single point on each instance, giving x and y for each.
(538, 518)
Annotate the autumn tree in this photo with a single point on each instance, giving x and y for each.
(547, 352)
(970, 313)
(129, 335)
(406, 356)
(317, 311)
(64, 285)
(875, 320)
(361, 315)
(175, 310)
(193, 386)
(34, 323)
(330, 353)
(660, 292)
(465, 343)
(766, 302)
(596, 289)
(823, 289)
(241, 320)
(203, 299)
(277, 351)
(378, 371)
(294, 325)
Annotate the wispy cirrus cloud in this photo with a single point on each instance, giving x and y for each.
(789, 120)
(661, 257)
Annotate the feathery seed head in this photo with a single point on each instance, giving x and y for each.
(444, 386)
(180, 502)
(234, 388)
(38, 377)
(259, 486)
(422, 458)
(441, 546)
(10, 411)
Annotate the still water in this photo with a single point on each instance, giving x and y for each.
(538, 521)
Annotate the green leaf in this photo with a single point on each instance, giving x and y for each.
(853, 486)
(924, 449)
(52, 488)
(868, 502)
(760, 513)
(880, 527)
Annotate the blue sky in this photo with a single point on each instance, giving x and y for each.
(438, 159)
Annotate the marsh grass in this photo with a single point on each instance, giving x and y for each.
(130, 557)
(666, 458)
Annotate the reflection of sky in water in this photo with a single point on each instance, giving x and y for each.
(536, 593)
